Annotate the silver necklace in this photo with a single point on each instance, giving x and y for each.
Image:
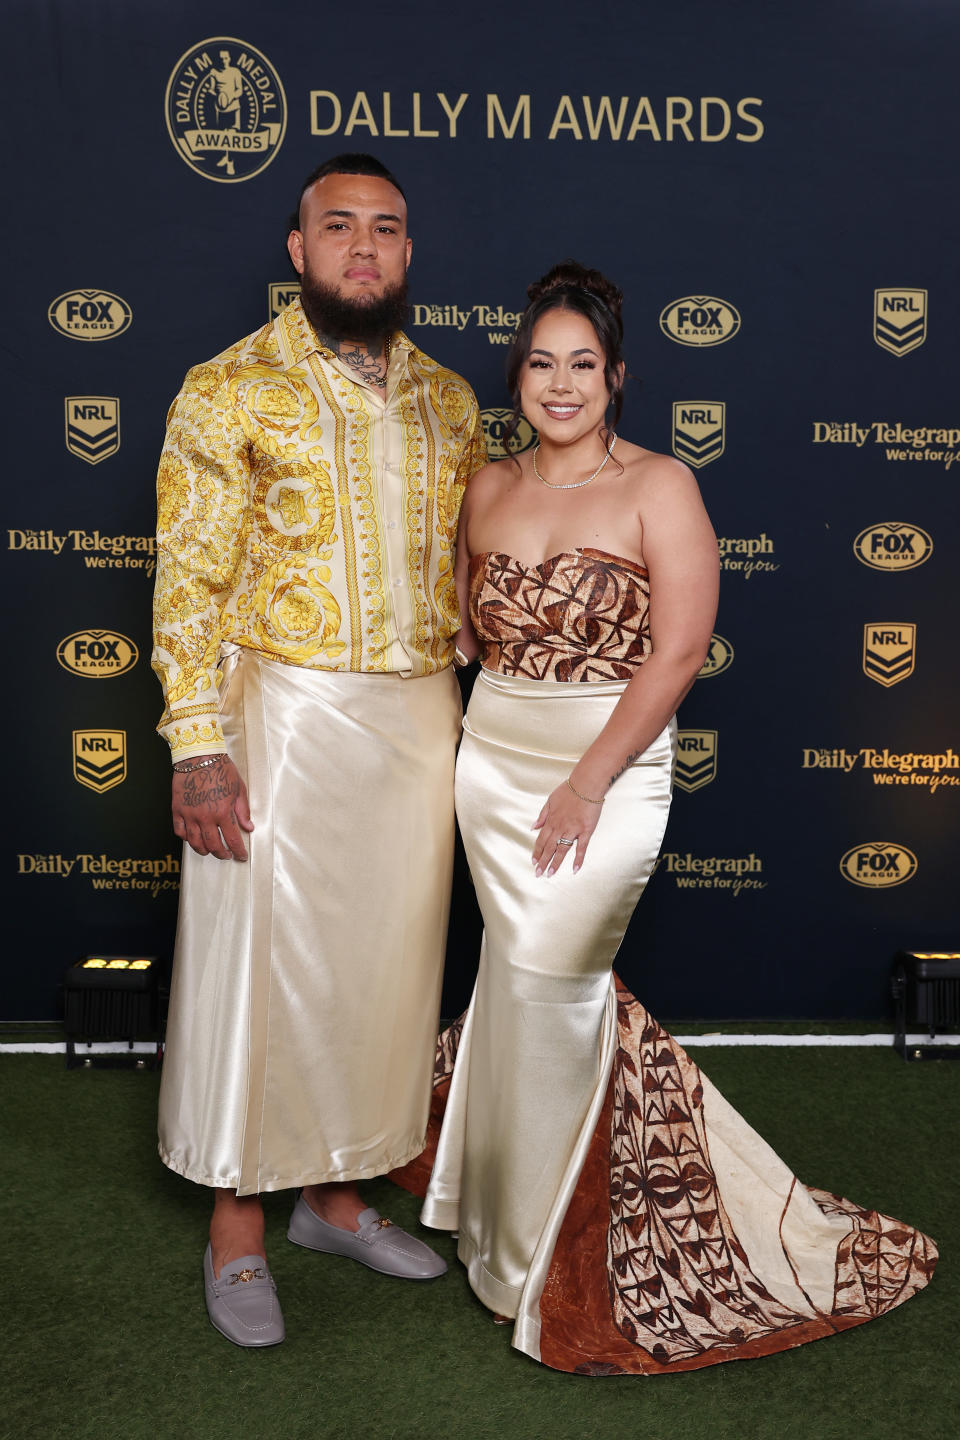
(574, 484)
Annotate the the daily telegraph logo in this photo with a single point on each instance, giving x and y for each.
(700, 320)
(889, 651)
(733, 873)
(893, 545)
(878, 864)
(499, 323)
(97, 654)
(696, 759)
(719, 658)
(92, 426)
(914, 444)
(89, 315)
(226, 110)
(926, 769)
(746, 554)
(99, 551)
(100, 758)
(106, 872)
(698, 430)
(899, 319)
(495, 424)
(280, 294)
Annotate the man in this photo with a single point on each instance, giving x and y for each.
(308, 497)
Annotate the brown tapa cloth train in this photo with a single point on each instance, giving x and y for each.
(649, 1274)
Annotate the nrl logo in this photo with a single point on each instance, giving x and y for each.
(226, 110)
(100, 758)
(89, 314)
(899, 319)
(280, 295)
(889, 651)
(878, 863)
(696, 759)
(93, 426)
(699, 320)
(719, 658)
(698, 430)
(495, 424)
(893, 545)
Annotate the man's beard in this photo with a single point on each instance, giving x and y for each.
(366, 318)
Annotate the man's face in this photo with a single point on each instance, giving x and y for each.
(352, 237)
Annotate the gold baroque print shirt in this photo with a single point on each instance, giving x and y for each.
(307, 516)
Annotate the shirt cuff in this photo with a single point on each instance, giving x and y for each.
(200, 735)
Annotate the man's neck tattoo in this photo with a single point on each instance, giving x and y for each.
(368, 359)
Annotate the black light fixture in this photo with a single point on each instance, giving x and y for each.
(926, 990)
(112, 998)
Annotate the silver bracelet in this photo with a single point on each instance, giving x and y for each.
(187, 767)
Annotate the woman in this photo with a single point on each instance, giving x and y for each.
(606, 1197)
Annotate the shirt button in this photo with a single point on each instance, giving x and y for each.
(391, 524)
(398, 582)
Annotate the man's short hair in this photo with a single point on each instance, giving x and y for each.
(350, 163)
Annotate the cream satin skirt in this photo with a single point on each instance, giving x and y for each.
(306, 982)
(539, 1037)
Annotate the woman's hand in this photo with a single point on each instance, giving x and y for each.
(564, 818)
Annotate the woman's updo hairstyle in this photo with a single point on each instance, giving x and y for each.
(571, 286)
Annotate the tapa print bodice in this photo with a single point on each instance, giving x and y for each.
(582, 615)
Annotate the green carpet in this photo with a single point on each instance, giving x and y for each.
(105, 1334)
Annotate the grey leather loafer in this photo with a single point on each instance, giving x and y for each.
(378, 1243)
(242, 1303)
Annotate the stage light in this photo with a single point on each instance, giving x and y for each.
(926, 990)
(113, 998)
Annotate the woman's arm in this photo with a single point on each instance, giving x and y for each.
(680, 552)
(468, 646)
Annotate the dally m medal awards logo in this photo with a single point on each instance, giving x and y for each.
(899, 320)
(696, 759)
(89, 315)
(719, 658)
(889, 651)
(698, 430)
(100, 758)
(226, 110)
(279, 295)
(893, 545)
(495, 422)
(97, 654)
(699, 320)
(878, 863)
(93, 426)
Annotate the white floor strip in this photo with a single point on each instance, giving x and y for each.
(144, 1047)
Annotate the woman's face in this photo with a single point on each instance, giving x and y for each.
(563, 392)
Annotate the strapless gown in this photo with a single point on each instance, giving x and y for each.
(607, 1198)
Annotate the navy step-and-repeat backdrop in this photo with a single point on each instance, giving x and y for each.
(774, 189)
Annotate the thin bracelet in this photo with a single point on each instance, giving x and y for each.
(583, 797)
(187, 767)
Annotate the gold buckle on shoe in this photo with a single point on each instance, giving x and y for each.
(245, 1276)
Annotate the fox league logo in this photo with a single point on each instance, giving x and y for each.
(719, 658)
(97, 654)
(889, 651)
(92, 426)
(89, 314)
(699, 320)
(226, 110)
(893, 545)
(698, 431)
(495, 423)
(899, 319)
(99, 758)
(878, 864)
(696, 759)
